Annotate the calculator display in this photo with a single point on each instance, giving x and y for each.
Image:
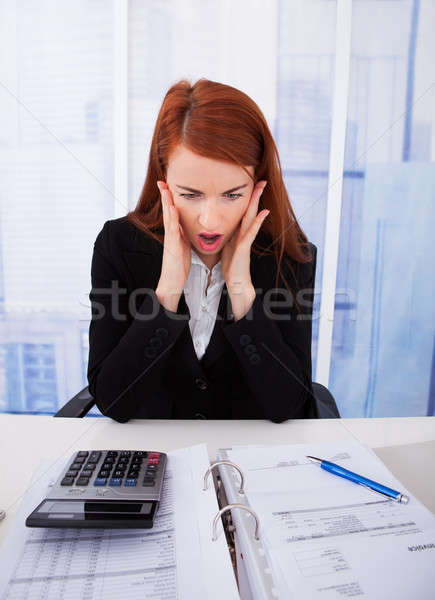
(79, 507)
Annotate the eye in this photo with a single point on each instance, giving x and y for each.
(229, 196)
(189, 196)
(234, 196)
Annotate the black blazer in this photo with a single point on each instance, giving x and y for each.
(142, 362)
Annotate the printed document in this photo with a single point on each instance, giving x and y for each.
(328, 538)
(176, 559)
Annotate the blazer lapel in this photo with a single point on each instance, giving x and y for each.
(218, 342)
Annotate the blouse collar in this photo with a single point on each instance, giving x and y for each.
(196, 260)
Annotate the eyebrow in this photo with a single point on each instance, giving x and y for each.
(199, 192)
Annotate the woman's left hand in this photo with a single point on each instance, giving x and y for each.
(236, 255)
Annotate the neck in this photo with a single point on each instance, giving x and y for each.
(209, 261)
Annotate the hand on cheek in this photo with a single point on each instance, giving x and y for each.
(236, 252)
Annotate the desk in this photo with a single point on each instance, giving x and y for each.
(26, 440)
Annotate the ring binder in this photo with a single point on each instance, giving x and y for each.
(253, 570)
(229, 507)
(224, 462)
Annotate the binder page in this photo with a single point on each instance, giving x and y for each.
(159, 563)
(217, 569)
(329, 538)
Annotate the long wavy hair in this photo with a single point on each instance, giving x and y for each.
(220, 122)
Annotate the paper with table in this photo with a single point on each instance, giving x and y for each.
(327, 538)
(176, 559)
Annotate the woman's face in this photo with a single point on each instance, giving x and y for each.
(204, 192)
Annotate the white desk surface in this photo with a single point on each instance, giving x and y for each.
(405, 444)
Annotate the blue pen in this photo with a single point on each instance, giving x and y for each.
(368, 483)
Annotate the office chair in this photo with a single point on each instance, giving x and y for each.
(82, 403)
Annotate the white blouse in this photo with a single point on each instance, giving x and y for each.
(203, 306)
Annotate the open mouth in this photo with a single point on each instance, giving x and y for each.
(209, 242)
(209, 239)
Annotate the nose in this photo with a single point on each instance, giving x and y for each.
(209, 218)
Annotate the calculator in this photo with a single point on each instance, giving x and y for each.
(104, 488)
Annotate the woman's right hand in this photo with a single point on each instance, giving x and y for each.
(176, 253)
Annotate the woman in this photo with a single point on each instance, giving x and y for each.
(188, 328)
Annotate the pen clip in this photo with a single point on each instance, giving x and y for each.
(396, 499)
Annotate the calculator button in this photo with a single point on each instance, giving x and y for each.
(137, 460)
(71, 473)
(86, 473)
(109, 459)
(106, 467)
(67, 481)
(154, 455)
(82, 481)
(125, 453)
(119, 474)
(75, 467)
(82, 453)
(115, 481)
(150, 473)
(112, 453)
(148, 482)
(152, 467)
(79, 459)
(141, 453)
(94, 457)
(130, 481)
(89, 466)
(100, 481)
(123, 460)
(134, 468)
(153, 461)
(103, 473)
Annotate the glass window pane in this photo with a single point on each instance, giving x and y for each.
(56, 191)
(383, 341)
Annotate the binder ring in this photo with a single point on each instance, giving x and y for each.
(229, 507)
(224, 462)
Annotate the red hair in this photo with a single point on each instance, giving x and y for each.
(223, 123)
